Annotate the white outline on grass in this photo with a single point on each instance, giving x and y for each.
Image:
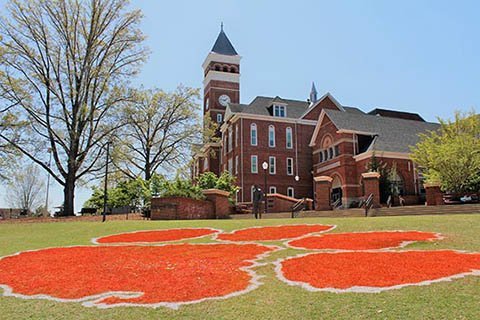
(332, 227)
(403, 244)
(367, 289)
(95, 240)
(94, 300)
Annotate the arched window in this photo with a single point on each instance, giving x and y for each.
(330, 153)
(398, 187)
(289, 138)
(217, 67)
(233, 70)
(225, 69)
(271, 136)
(253, 134)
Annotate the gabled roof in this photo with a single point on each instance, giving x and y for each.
(393, 134)
(223, 45)
(396, 114)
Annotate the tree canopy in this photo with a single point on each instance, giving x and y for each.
(64, 70)
(451, 155)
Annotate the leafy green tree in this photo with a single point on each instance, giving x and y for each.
(207, 180)
(451, 155)
(64, 69)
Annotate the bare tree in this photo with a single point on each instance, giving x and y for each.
(160, 130)
(25, 189)
(65, 68)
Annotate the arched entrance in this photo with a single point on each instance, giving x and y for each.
(336, 190)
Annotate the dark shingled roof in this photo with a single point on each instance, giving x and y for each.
(396, 114)
(223, 45)
(262, 106)
(394, 135)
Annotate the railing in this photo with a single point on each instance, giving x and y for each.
(337, 203)
(297, 207)
(368, 204)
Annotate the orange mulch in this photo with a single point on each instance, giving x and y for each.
(362, 240)
(164, 274)
(273, 233)
(153, 236)
(376, 270)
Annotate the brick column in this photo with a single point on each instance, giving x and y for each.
(221, 205)
(434, 195)
(323, 189)
(371, 182)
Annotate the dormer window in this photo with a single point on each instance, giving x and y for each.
(279, 111)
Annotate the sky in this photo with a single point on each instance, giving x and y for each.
(417, 56)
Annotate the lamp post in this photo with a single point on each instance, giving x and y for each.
(265, 168)
(48, 181)
(105, 189)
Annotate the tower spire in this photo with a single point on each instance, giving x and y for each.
(313, 93)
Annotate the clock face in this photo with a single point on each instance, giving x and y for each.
(224, 100)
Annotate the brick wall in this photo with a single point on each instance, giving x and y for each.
(180, 208)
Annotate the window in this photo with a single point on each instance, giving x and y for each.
(253, 134)
(205, 164)
(290, 166)
(330, 153)
(272, 190)
(320, 156)
(236, 165)
(279, 111)
(289, 138)
(271, 136)
(230, 165)
(325, 155)
(291, 192)
(254, 164)
(337, 151)
(271, 166)
(236, 135)
(219, 118)
(230, 138)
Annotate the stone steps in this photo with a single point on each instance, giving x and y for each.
(381, 212)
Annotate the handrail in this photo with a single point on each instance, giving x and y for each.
(337, 203)
(297, 207)
(368, 204)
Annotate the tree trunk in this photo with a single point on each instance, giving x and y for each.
(69, 196)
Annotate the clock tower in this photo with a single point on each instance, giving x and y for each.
(221, 84)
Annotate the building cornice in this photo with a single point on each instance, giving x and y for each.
(221, 76)
(382, 154)
(215, 57)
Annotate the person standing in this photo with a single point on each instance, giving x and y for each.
(257, 198)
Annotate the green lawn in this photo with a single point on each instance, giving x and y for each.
(459, 299)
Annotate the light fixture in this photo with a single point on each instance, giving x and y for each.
(297, 178)
(265, 165)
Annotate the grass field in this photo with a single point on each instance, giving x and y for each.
(459, 299)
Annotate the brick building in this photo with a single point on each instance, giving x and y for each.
(301, 140)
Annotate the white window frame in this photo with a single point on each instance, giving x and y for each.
(271, 138)
(219, 118)
(230, 139)
(272, 165)
(272, 190)
(253, 137)
(292, 190)
(290, 173)
(236, 165)
(236, 135)
(230, 165)
(252, 157)
(289, 141)
(277, 111)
